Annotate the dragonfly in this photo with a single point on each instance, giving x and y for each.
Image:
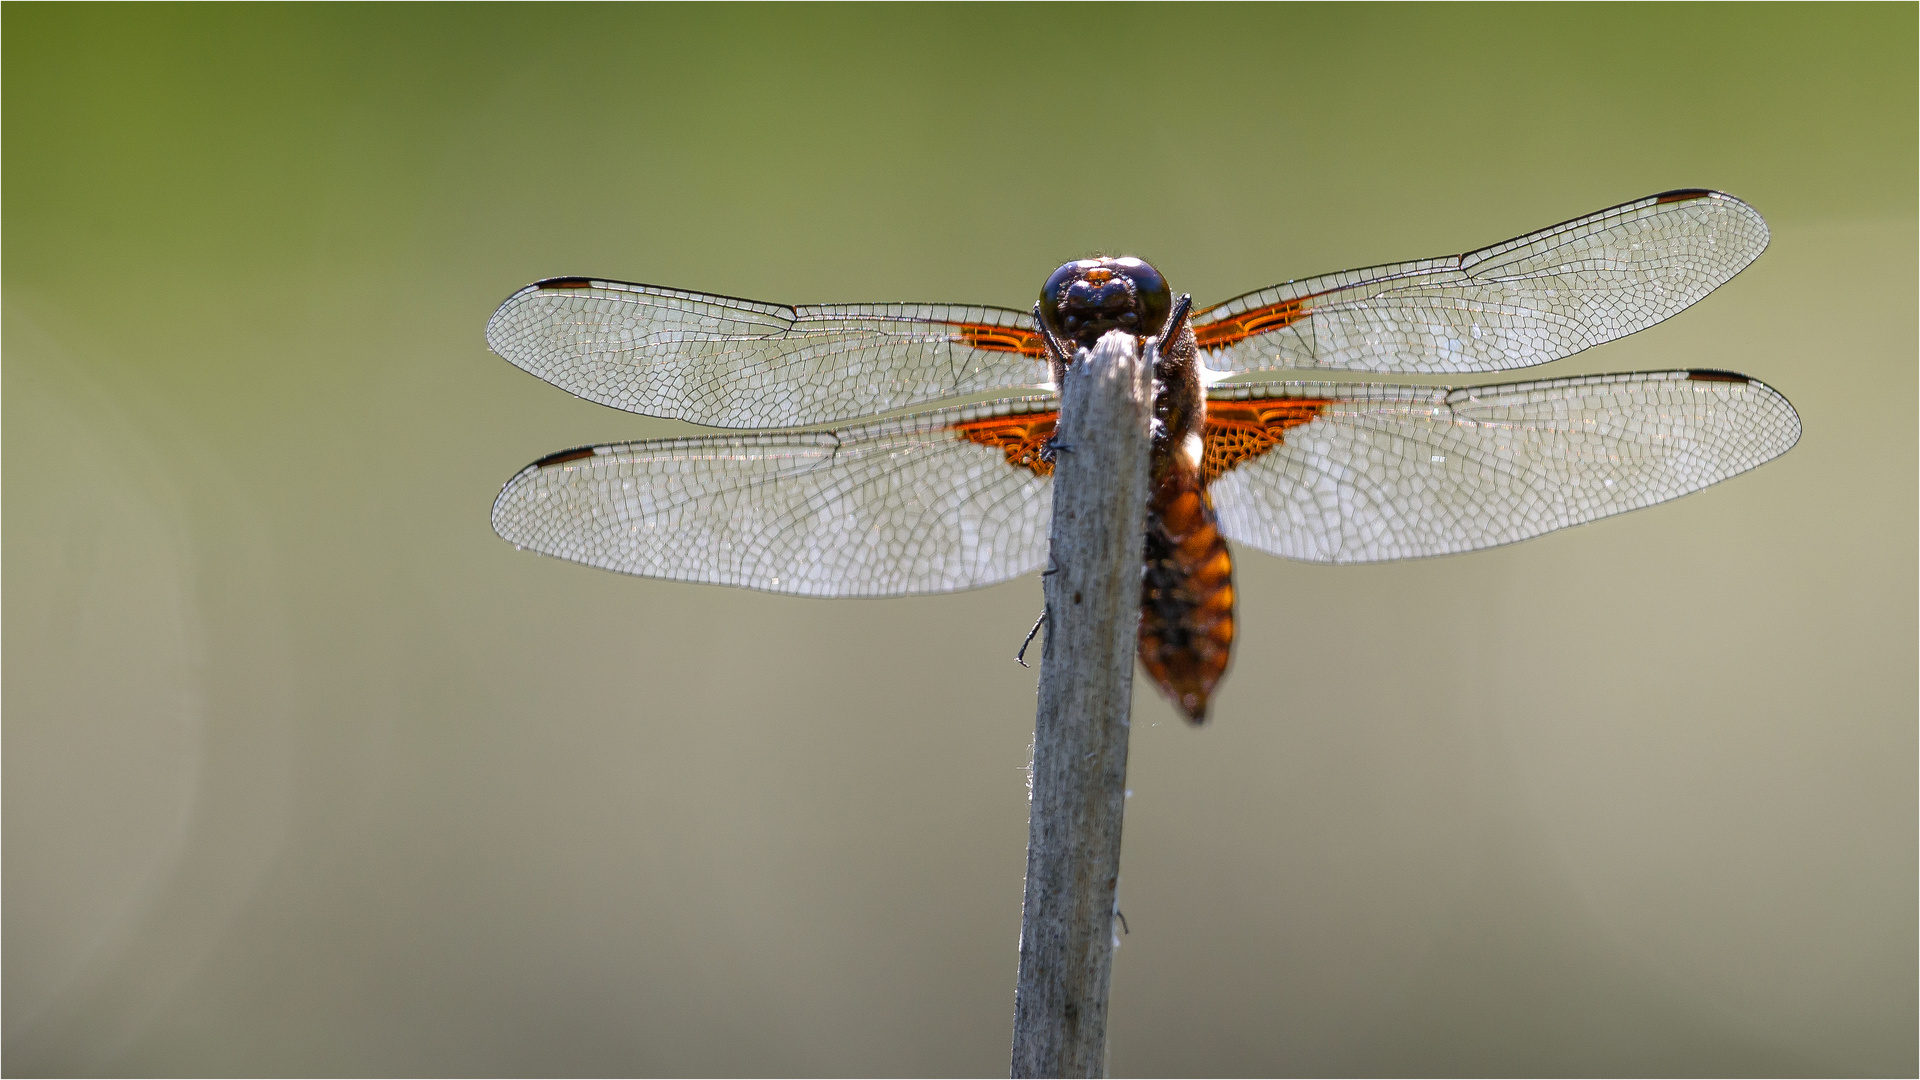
(838, 489)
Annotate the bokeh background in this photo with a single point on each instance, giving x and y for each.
(307, 772)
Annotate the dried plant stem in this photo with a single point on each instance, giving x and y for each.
(1080, 733)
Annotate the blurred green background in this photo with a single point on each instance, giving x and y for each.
(307, 772)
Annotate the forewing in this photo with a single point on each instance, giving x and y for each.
(1527, 301)
(1350, 473)
(930, 503)
(726, 362)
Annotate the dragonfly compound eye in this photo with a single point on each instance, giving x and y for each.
(1084, 299)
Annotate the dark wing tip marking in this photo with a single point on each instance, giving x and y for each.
(564, 283)
(564, 456)
(1683, 195)
(1715, 375)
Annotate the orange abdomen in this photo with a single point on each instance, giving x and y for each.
(1186, 598)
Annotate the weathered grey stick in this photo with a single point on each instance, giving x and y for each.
(1080, 734)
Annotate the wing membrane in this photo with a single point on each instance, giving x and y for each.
(1527, 301)
(1350, 473)
(726, 362)
(930, 503)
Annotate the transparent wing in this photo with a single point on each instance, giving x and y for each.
(930, 503)
(725, 362)
(1527, 301)
(1348, 472)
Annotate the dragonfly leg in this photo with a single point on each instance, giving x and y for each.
(1021, 656)
(1056, 353)
(1175, 319)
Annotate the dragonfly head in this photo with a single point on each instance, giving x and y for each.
(1088, 297)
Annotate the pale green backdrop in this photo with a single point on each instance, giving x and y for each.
(307, 772)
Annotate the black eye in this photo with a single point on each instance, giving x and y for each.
(1155, 301)
(1053, 292)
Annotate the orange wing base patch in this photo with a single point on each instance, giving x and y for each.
(1018, 437)
(1218, 335)
(1000, 339)
(1239, 431)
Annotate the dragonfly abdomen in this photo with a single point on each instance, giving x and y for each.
(1186, 598)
